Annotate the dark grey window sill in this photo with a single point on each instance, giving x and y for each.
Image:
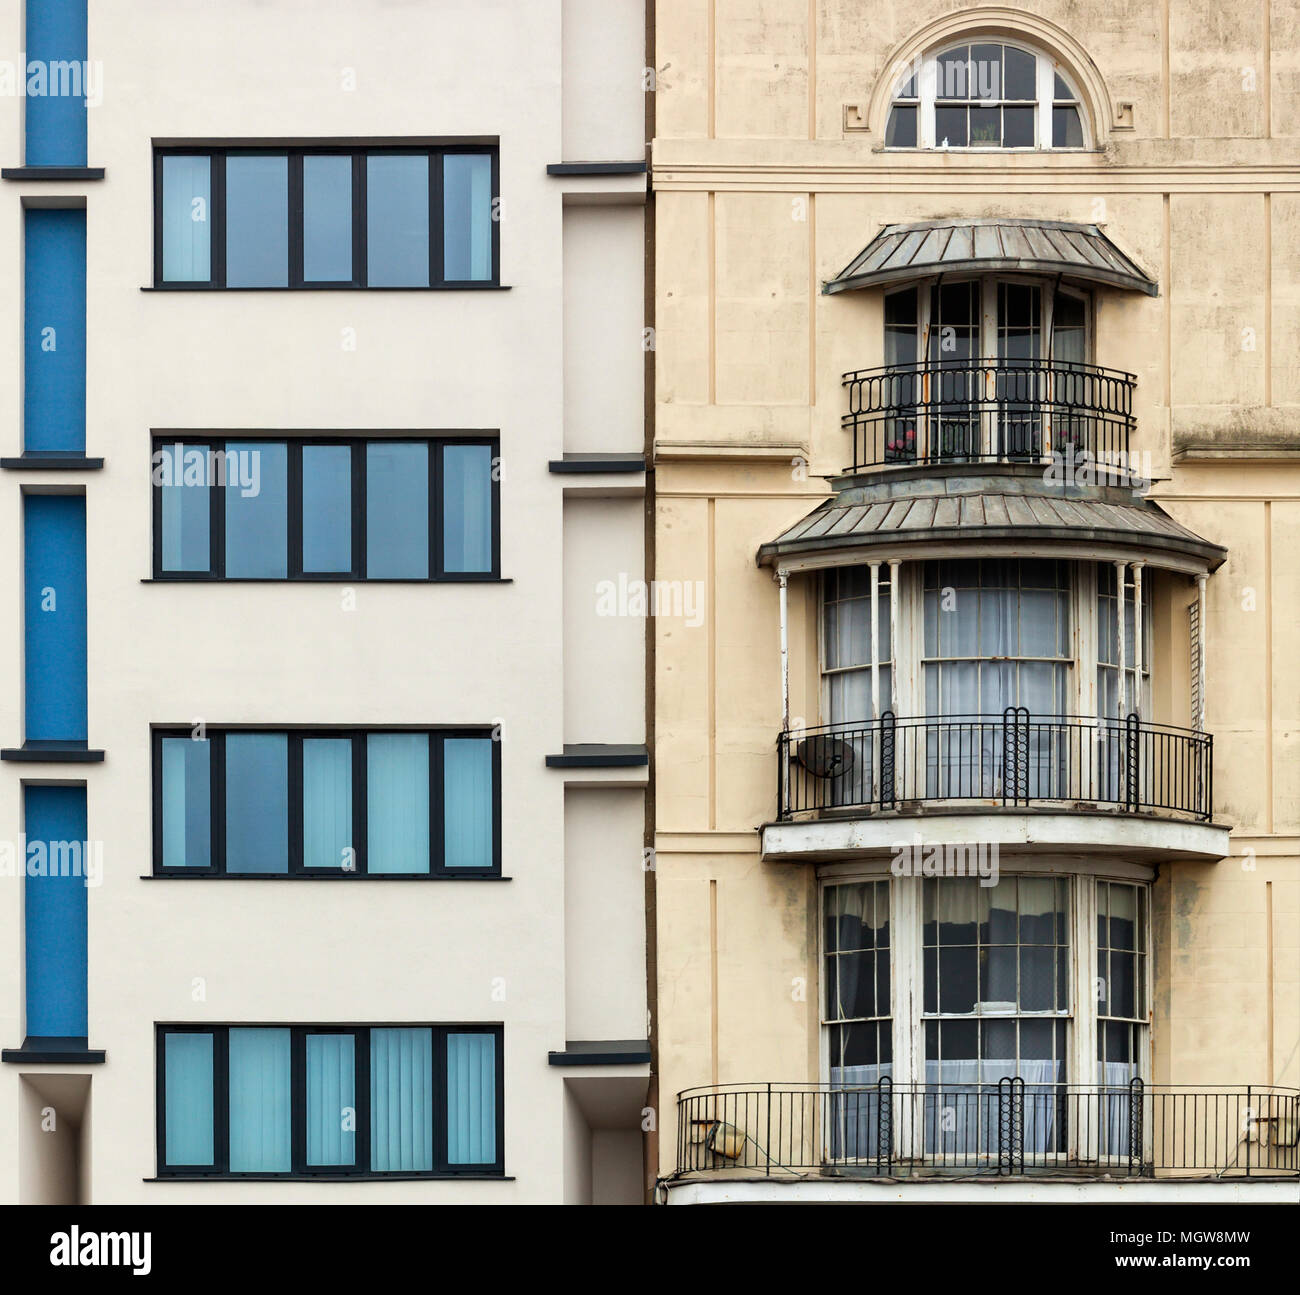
(330, 1178)
(68, 1050)
(331, 287)
(325, 580)
(51, 173)
(51, 461)
(320, 876)
(44, 752)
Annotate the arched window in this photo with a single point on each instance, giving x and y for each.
(986, 95)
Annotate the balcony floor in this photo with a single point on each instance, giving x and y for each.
(816, 1189)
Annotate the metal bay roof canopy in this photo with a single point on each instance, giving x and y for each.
(953, 511)
(961, 246)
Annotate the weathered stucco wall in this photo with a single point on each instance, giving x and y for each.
(762, 193)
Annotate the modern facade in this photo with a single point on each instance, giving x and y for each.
(977, 800)
(325, 772)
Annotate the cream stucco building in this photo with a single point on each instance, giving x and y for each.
(324, 782)
(976, 434)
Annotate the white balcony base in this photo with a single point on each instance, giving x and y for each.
(1135, 837)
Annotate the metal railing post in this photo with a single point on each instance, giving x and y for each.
(887, 737)
(1132, 760)
(767, 1139)
(1136, 1093)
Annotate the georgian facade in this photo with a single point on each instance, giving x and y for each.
(977, 827)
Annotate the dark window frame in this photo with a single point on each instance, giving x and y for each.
(294, 572)
(299, 1169)
(295, 153)
(438, 869)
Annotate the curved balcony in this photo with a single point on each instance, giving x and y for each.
(1012, 760)
(1011, 411)
(1009, 1127)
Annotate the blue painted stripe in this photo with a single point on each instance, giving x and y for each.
(54, 820)
(54, 613)
(54, 329)
(55, 107)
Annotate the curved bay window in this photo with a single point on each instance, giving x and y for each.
(986, 95)
(1003, 996)
(991, 367)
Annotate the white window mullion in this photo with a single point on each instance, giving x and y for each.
(1082, 1070)
(925, 109)
(1045, 73)
(907, 1003)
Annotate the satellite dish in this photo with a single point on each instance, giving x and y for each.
(824, 756)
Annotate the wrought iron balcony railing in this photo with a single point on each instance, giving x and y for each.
(1007, 1127)
(1010, 760)
(964, 411)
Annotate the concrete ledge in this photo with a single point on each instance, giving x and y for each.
(1138, 837)
(63, 1050)
(601, 1052)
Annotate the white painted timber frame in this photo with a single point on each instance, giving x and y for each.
(907, 971)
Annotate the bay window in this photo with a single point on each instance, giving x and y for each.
(1005, 991)
(982, 365)
(299, 1101)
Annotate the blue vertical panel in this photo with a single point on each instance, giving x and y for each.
(56, 89)
(54, 329)
(54, 820)
(471, 1099)
(54, 611)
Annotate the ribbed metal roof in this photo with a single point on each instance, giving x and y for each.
(1080, 252)
(928, 511)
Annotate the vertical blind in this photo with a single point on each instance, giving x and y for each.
(331, 1099)
(401, 1100)
(260, 1124)
(296, 1099)
(326, 802)
(398, 813)
(471, 1099)
(189, 1107)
